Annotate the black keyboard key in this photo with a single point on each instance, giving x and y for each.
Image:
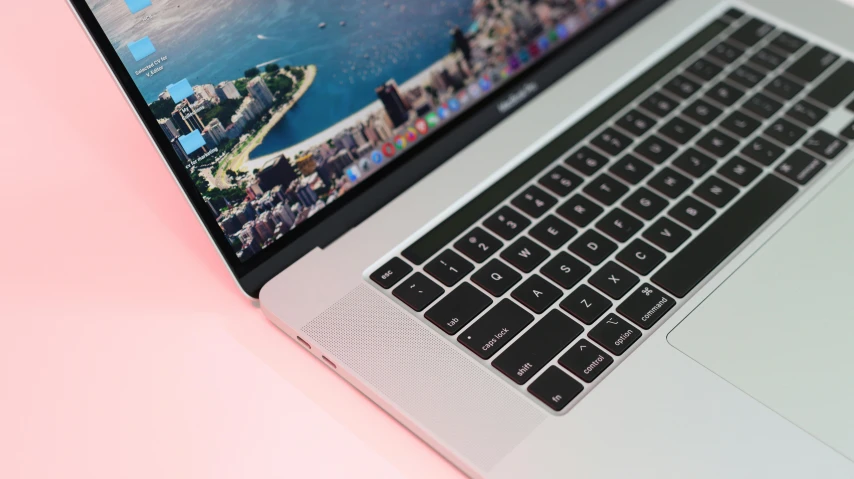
(850, 106)
(579, 210)
(496, 277)
(806, 113)
(507, 222)
(453, 312)
(785, 131)
(586, 360)
(449, 267)
(718, 143)
(762, 105)
(848, 131)
(534, 349)
(645, 203)
(739, 171)
(536, 294)
(783, 88)
(631, 169)
(691, 213)
(694, 163)
(525, 254)
(586, 161)
(740, 124)
(418, 291)
(711, 247)
(682, 86)
(640, 257)
(390, 273)
(787, 42)
(611, 141)
(565, 270)
(679, 130)
(495, 328)
(478, 245)
(666, 234)
(619, 225)
(716, 191)
(561, 181)
(800, 167)
(731, 14)
(669, 182)
(767, 59)
(646, 306)
(552, 232)
(752, 32)
(762, 151)
(555, 388)
(726, 53)
(636, 123)
(812, 64)
(534, 201)
(704, 69)
(593, 247)
(725, 94)
(613, 280)
(702, 112)
(825, 144)
(655, 149)
(585, 304)
(606, 189)
(836, 87)
(746, 76)
(614, 334)
(659, 104)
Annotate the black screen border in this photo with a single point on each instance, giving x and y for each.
(390, 181)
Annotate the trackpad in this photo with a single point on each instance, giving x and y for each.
(781, 328)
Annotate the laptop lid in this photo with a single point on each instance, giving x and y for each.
(288, 123)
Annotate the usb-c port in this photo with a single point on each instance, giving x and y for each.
(329, 362)
(303, 342)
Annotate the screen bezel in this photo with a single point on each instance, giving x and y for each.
(393, 179)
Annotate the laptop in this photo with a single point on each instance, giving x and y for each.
(553, 238)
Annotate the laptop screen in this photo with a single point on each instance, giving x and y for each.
(278, 108)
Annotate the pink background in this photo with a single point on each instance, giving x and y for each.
(126, 351)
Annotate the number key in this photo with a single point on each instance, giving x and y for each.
(534, 201)
(507, 222)
(478, 245)
(561, 181)
(586, 161)
(448, 267)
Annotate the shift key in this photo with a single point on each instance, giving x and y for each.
(495, 328)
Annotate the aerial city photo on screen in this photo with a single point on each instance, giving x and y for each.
(277, 108)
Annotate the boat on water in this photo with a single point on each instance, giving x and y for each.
(342, 23)
(322, 25)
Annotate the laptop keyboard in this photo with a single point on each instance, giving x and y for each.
(555, 272)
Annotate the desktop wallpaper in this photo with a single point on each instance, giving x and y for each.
(279, 107)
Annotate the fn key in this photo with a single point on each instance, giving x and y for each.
(555, 388)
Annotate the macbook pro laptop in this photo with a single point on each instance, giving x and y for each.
(553, 238)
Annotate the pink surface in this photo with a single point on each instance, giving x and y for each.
(126, 350)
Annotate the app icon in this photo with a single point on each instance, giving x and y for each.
(388, 150)
(432, 119)
(353, 173)
(421, 126)
(376, 157)
(562, 32)
(141, 48)
(464, 98)
(484, 83)
(524, 57)
(553, 38)
(454, 104)
(365, 165)
(400, 142)
(180, 90)
(443, 112)
(513, 63)
(137, 5)
(543, 44)
(474, 90)
(411, 134)
(191, 142)
(534, 50)
(505, 72)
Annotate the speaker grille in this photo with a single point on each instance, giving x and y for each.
(466, 408)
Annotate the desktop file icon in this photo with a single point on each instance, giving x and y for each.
(180, 90)
(137, 5)
(191, 142)
(141, 48)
